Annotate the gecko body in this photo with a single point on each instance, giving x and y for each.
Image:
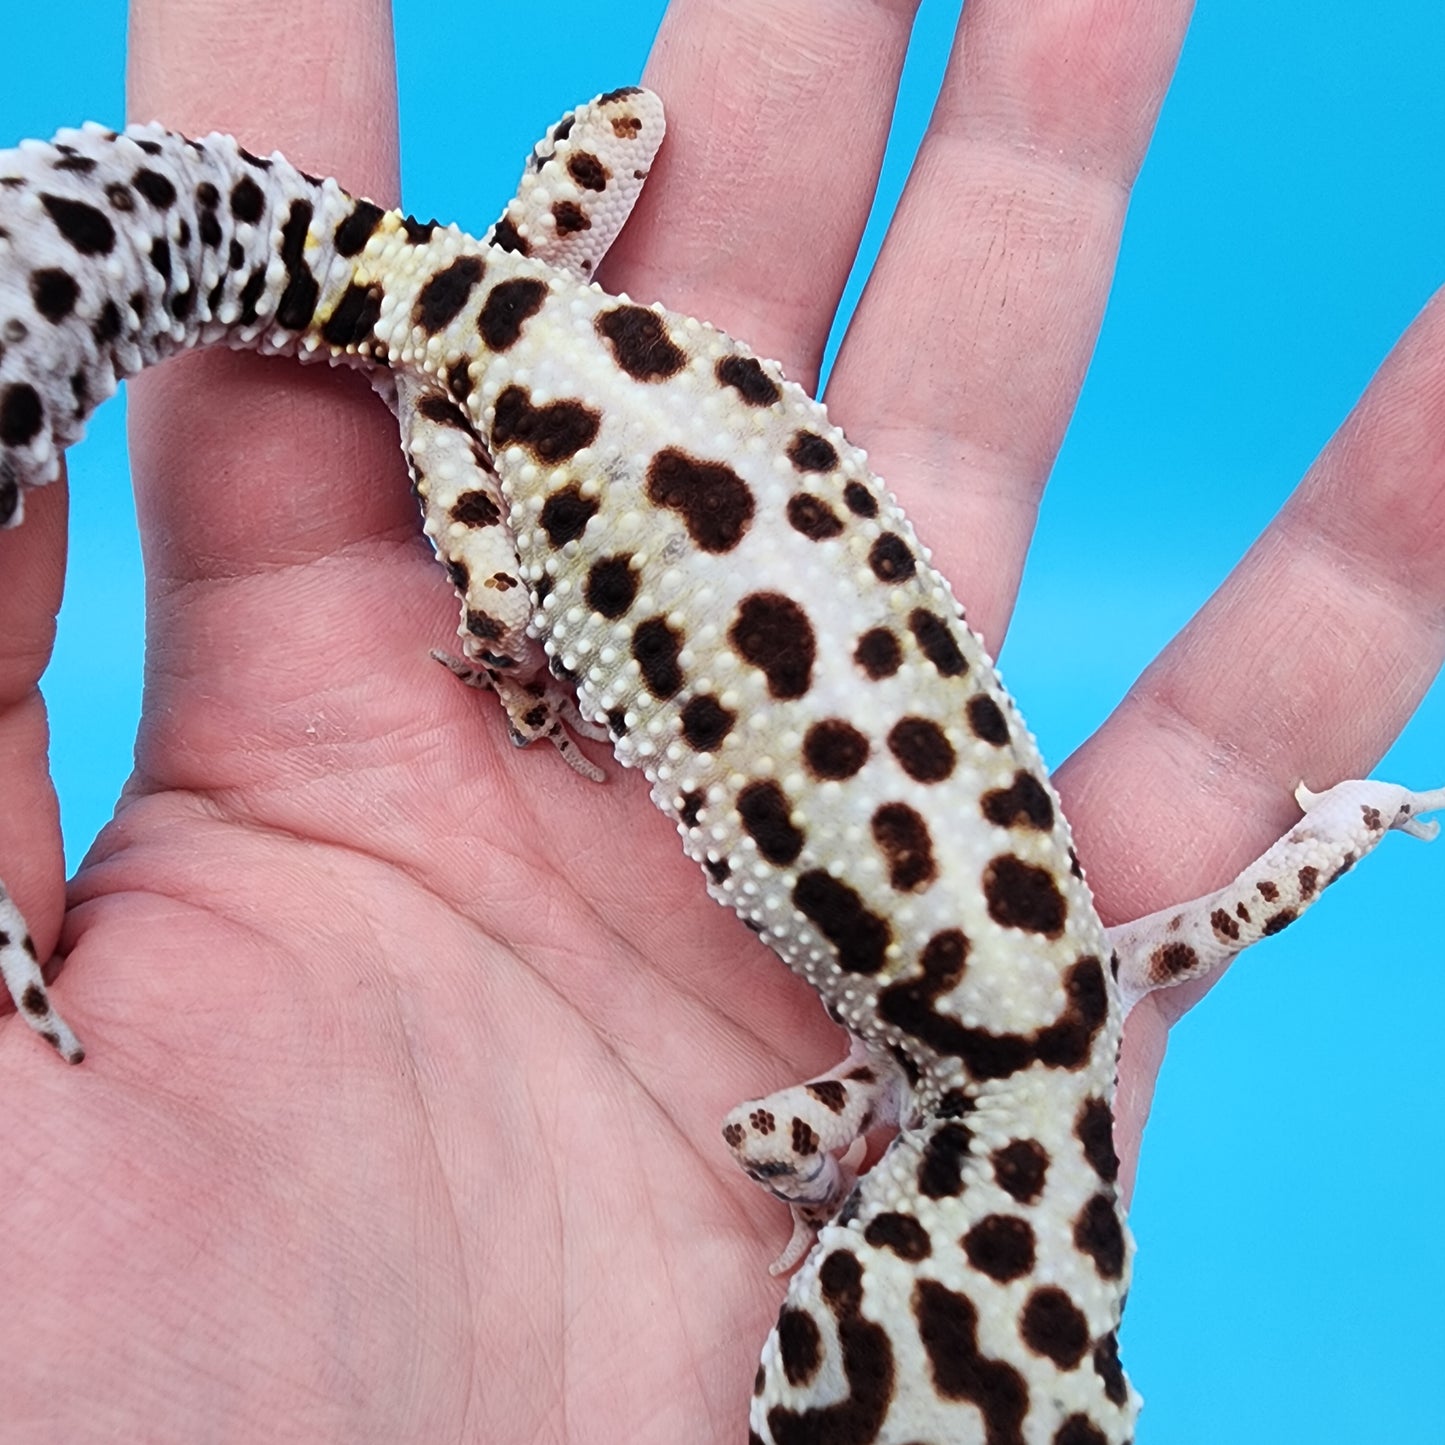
(659, 539)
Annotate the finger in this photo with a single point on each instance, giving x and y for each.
(962, 365)
(756, 205)
(242, 463)
(32, 563)
(1303, 666)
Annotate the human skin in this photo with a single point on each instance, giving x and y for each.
(408, 1050)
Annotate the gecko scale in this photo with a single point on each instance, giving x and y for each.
(660, 540)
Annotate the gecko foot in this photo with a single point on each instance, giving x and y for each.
(538, 709)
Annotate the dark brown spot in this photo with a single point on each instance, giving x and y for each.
(656, 645)
(354, 317)
(1309, 882)
(712, 500)
(248, 201)
(804, 1139)
(1267, 890)
(773, 633)
(1098, 1233)
(418, 232)
(1171, 961)
(809, 452)
(617, 722)
(32, 1000)
(922, 750)
(987, 721)
(106, 326)
(54, 293)
(508, 307)
(357, 229)
(506, 237)
(88, 230)
(1094, 1129)
(937, 643)
(834, 749)
(910, 1005)
(705, 723)
(587, 171)
(764, 809)
(1373, 821)
(746, 377)
(640, 343)
(948, 1327)
(1020, 1167)
(552, 433)
(831, 1094)
(940, 1171)
(459, 380)
(484, 625)
(1079, 1430)
(570, 218)
(1278, 922)
(837, 911)
(444, 296)
(155, 187)
(901, 1233)
(1001, 1246)
(21, 414)
(443, 410)
(878, 653)
(160, 258)
(813, 517)
(1022, 895)
(800, 1346)
(1065, 1043)
(1053, 1326)
(611, 586)
(903, 839)
(733, 1135)
(565, 515)
(1025, 803)
(1109, 1370)
(891, 560)
(475, 509)
(860, 501)
(1223, 925)
(763, 1122)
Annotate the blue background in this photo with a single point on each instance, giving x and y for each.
(1288, 223)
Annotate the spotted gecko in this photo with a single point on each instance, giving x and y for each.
(660, 540)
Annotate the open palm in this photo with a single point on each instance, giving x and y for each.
(408, 1050)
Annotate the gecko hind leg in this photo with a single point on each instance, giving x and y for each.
(804, 1144)
(1195, 939)
(20, 972)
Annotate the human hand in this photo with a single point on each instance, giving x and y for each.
(405, 1076)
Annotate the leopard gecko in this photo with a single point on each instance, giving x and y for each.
(660, 540)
